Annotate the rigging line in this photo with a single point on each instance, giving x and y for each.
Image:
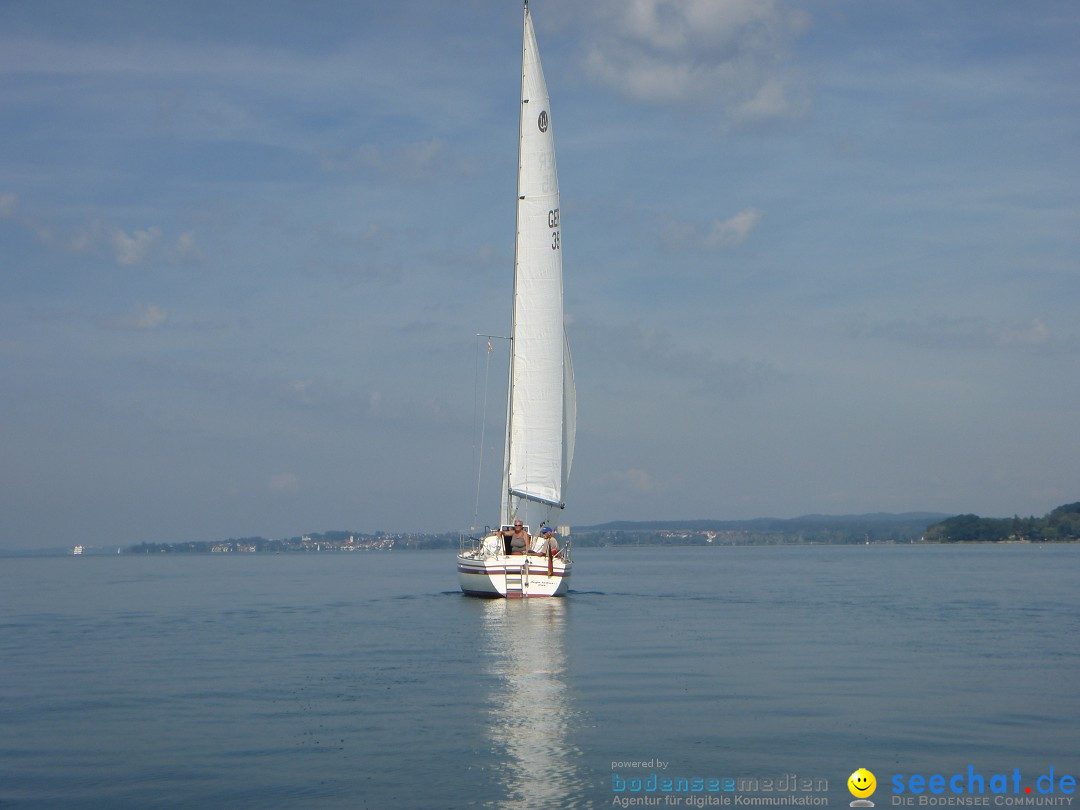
(476, 406)
(483, 426)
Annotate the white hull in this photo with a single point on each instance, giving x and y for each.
(483, 572)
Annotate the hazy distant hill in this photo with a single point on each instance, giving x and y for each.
(876, 527)
(875, 519)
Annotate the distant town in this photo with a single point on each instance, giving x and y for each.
(1060, 525)
(327, 541)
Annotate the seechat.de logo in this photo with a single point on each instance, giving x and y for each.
(913, 788)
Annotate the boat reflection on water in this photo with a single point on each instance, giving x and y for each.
(531, 709)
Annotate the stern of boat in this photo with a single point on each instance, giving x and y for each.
(485, 570)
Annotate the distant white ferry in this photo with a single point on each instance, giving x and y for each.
(78, 550)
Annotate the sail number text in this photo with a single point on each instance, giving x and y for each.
(553, 223)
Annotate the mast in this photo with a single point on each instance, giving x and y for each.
(506, 506)
(540, 394)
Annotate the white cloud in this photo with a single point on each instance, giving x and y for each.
(421, 159)
(133, 249)
(722, 233)
(146, 316)
(635, 480)
(97, 236)
(1034, 334)
(735, 230)
(697, 369)
(85, 238)
(184, 250)
(774, 99)
(943, 331)
(733, 55)
(302, 390)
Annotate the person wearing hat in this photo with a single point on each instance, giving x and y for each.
(546, 544)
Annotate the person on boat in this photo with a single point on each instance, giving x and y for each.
(519, 538)
(546, 544)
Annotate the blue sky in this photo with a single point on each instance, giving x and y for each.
(820, 257)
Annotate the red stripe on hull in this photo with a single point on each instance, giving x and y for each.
(483, 572)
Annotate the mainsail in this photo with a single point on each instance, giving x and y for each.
(541, 411)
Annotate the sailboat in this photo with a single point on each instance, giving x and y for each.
(541, 401)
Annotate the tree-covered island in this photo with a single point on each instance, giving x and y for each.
(1060, 525)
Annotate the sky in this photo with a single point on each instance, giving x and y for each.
(820, 257)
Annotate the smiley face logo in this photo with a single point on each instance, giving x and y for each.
(862, 783)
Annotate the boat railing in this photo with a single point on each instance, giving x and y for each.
(478, 547)
(468, 544)
(471, 545)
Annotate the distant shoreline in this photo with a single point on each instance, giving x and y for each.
(1062, 525)
(89, 551)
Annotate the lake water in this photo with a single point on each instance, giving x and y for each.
(368, 680)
